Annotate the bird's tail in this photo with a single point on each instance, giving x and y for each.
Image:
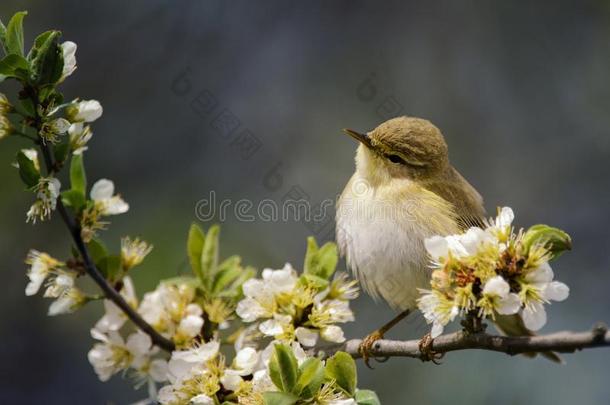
(512, 325)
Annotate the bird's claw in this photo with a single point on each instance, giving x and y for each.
(366, 347)
(425, 348)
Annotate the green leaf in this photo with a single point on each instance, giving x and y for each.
(13, 42)
(366, 397)
(228, 271)
(181, 280)
(311, 377)
(327, 260)
(553, 239)
(97, 250)
(14, 66)
(283, 368)
(27, 170)
(279, 398)
(310, 280)
(78, 179)
(320, 262)
(209, 255)
(26, 105)
(310, 256)
(342, 368)
(73, 198)
(235, 290)
(194, 247)
(46, 58)
(110, 266)
(61, 151)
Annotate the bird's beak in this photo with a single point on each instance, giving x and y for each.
(363, 138)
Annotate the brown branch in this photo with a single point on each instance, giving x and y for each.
(563, 342)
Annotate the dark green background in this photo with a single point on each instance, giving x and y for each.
(520, 90)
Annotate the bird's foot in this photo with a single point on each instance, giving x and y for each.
(425, 348)
(366, 346)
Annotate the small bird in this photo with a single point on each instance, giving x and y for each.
(403, 191)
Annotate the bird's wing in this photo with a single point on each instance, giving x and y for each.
(466, 201)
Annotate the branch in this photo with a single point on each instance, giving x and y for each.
(109, 291)
(566, 342)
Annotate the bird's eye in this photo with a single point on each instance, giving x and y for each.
(396, 159)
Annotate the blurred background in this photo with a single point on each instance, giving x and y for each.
(247, 100)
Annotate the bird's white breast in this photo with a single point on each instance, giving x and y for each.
(381, 229)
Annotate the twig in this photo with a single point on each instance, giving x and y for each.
(109, 291)
(563, 342)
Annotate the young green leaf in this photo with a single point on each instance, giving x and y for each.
(14, 34)
(309, 265)
(554, 239)
(61, 151)
(342, 368)
(366, 397)
(228, 271)
(283, 368)
(78, 179)
(279, 398)
(327, 260)
(97, 249)
(110, 266)
(46, 59)
(311, 377)
(27, 170)
(73, 198)
(181, 280)
(312, 281)
(209, 255)
(14, 66)
(194, 247)
(320, 262)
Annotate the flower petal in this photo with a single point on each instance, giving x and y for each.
(307, 337)
(534, 316)
(102, 190)
(556, 291)
(509, 305)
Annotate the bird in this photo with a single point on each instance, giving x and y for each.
(404, 190)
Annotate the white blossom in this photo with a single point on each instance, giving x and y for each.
(183, 362)
(102, 193)
(84, 111)
(498, 290)
(47, 192)
(113, 354)
(80, 135)
(41, 266)
(133, 252)
(540, 280)
(114, 317)
(68, 302)
(436, 311)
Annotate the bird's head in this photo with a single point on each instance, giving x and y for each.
(402, 147)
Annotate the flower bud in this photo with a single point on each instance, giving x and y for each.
(554, 240)
(84, 111)
(69, 54)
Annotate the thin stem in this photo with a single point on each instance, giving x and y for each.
(109, 292)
